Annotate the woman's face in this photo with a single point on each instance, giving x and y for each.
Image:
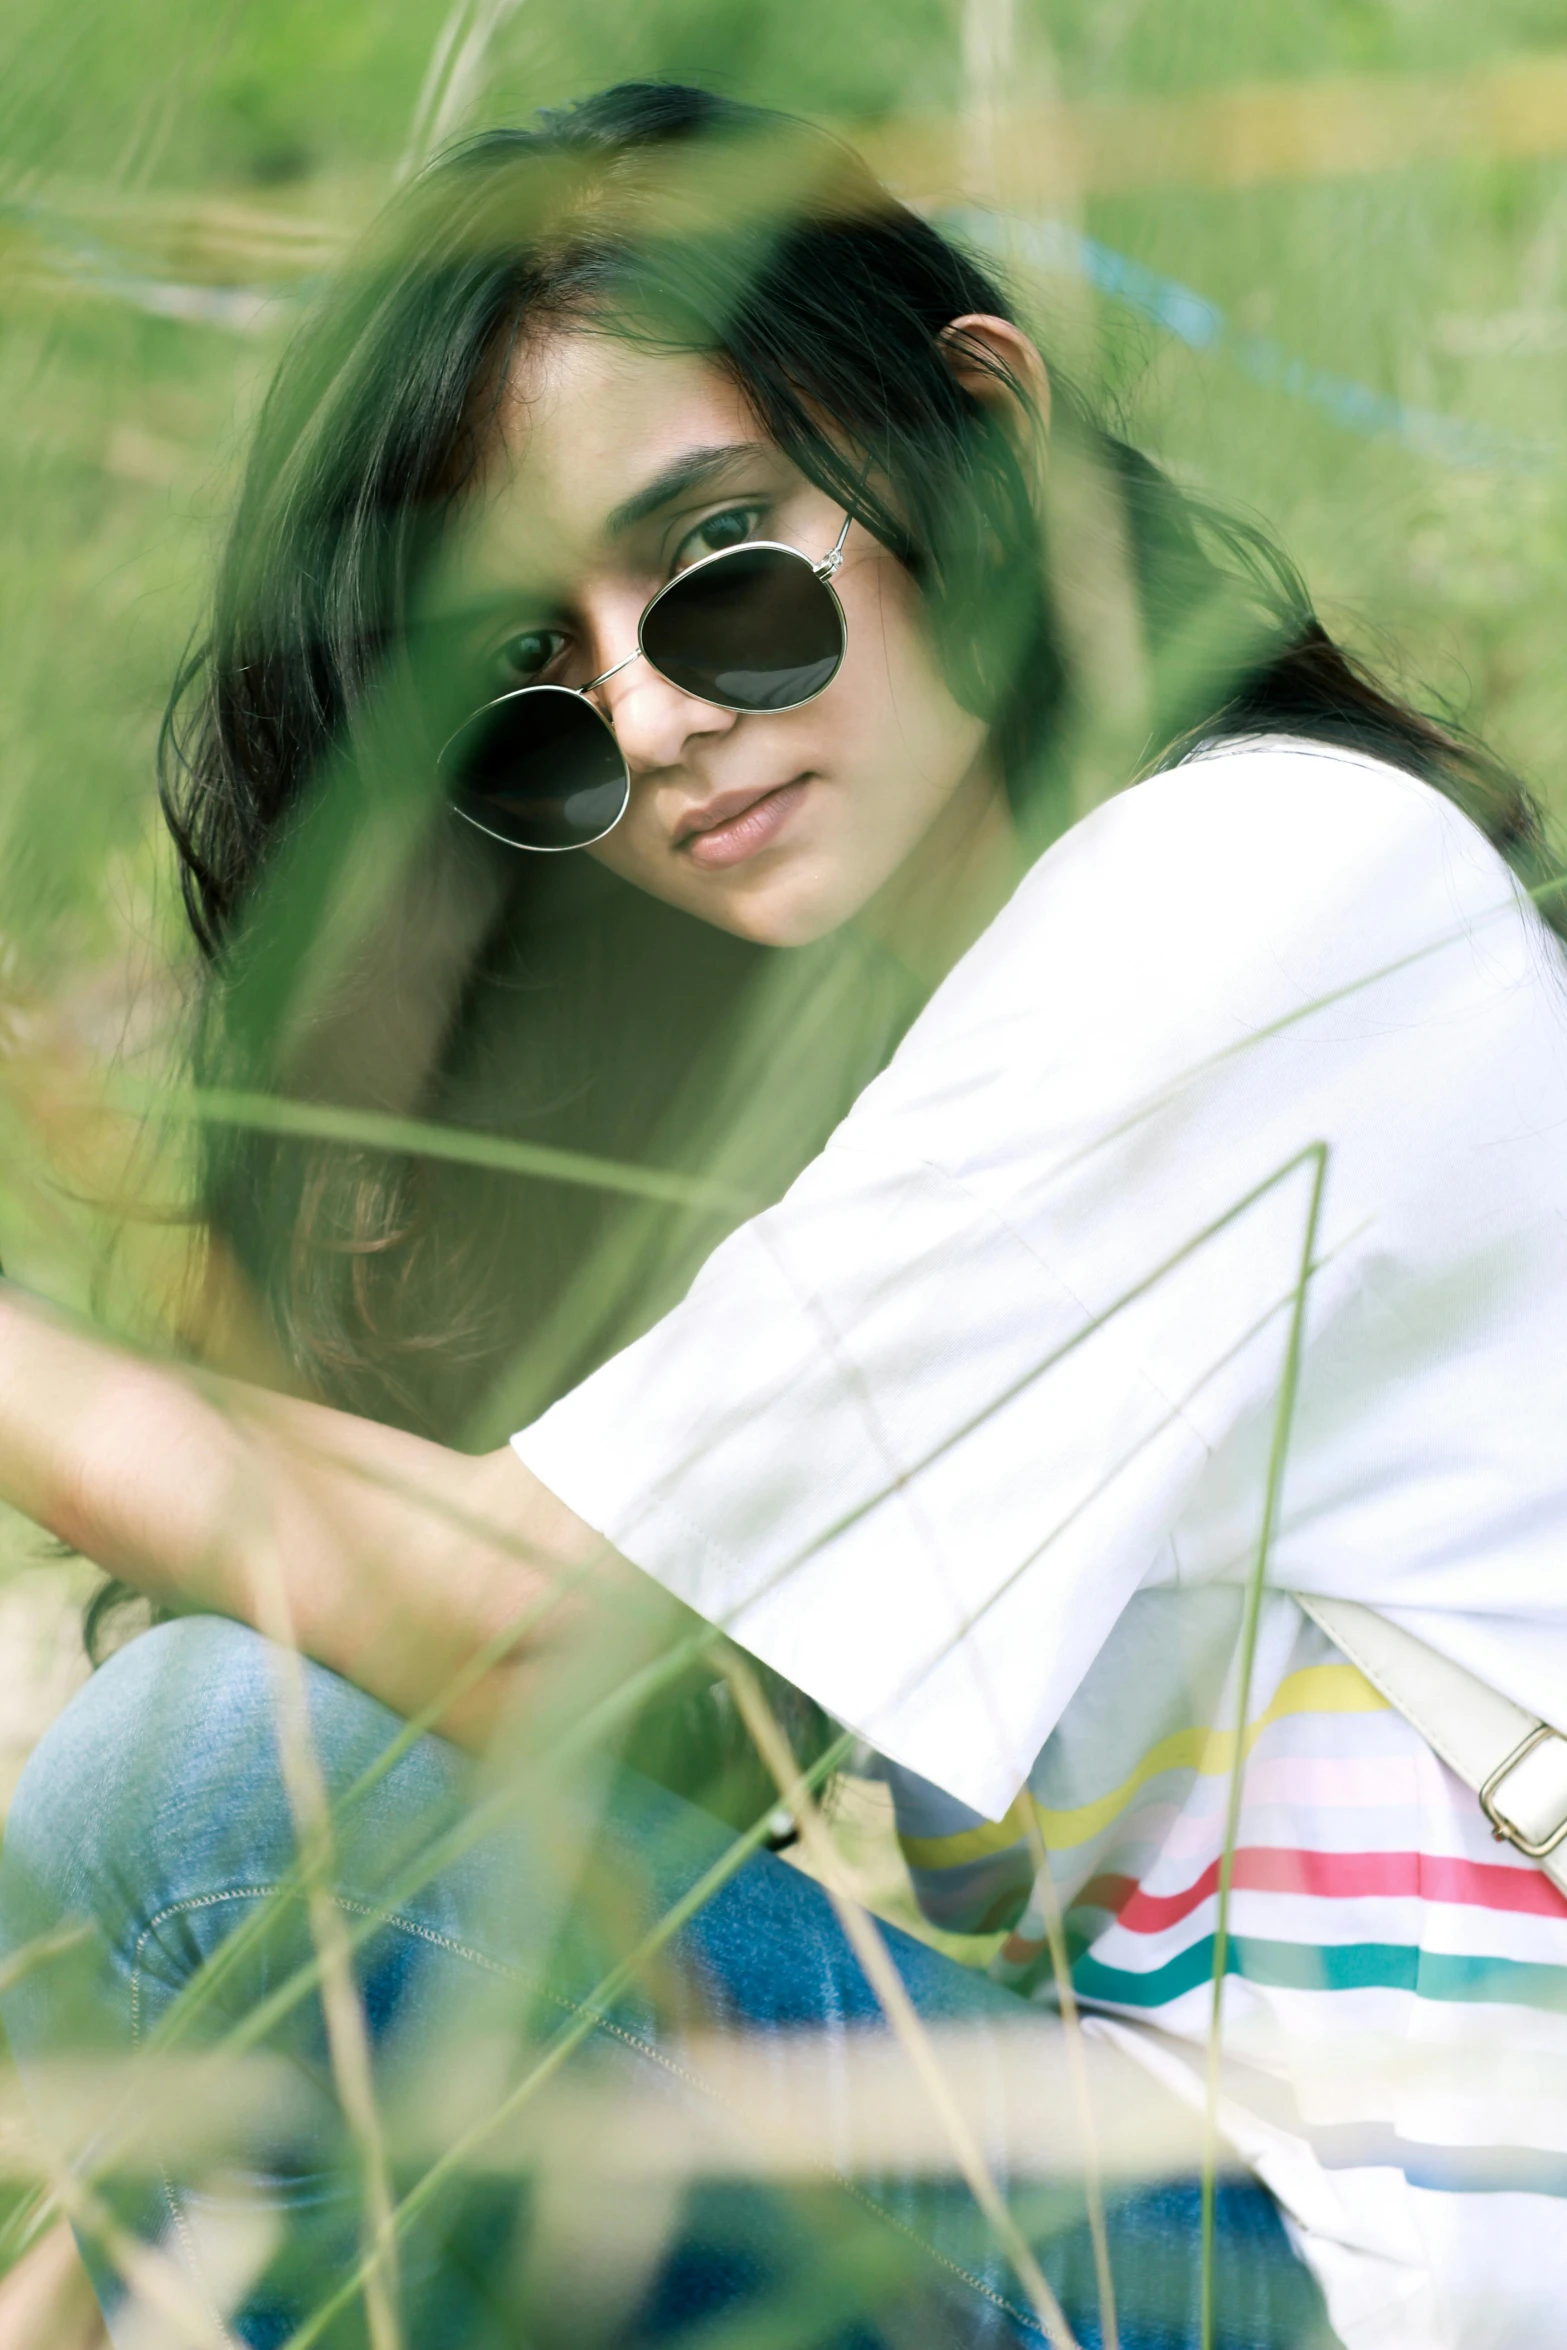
(618, 467)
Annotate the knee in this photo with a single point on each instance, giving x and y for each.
(165, 1770)
(106, 1823)
(141, 1753)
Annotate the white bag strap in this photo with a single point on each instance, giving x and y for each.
(1516, 1764)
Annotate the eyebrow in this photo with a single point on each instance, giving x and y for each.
(694, 471)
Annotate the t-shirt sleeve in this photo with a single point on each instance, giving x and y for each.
(918, 1433)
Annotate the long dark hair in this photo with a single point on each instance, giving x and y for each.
(556, 1005)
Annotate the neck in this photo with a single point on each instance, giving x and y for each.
(949, 888)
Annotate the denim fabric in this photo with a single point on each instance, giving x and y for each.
(155, 1809)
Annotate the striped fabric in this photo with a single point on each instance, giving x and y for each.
(1396, 2008)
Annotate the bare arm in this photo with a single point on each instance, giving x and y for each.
(391, 1559)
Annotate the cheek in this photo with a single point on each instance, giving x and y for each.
(897, 712)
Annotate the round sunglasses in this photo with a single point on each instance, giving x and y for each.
(754, 628)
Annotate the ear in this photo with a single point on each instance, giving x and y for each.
(995, 362)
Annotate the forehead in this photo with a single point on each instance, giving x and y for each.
(586, 422)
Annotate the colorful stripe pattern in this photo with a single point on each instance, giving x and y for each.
(1372, 1915)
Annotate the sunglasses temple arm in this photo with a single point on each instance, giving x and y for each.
(829, 563)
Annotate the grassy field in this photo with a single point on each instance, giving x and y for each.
(1358, 340)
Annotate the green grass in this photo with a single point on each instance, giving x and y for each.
(155, 128)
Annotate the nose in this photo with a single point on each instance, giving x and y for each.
(654, 721)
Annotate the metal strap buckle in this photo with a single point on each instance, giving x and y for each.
(1502, 1828)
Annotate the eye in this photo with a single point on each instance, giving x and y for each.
(717, 533)
(523, 658)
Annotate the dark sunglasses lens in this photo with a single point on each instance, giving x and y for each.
(755, 630)
(539, 768)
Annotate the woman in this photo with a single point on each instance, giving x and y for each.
(1227, 1139)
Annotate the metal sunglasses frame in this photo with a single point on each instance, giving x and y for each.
(825, 571)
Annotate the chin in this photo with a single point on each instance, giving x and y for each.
(785, 916)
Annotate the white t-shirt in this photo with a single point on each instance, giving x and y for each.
(969, 1437)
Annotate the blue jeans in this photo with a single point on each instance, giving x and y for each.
(482, 1930)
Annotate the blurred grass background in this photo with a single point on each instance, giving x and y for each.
(174, 173)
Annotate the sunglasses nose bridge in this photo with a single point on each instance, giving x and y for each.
(654, 719)
(604, 676)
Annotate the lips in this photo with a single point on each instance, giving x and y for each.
(735, 825)
(724, 807)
